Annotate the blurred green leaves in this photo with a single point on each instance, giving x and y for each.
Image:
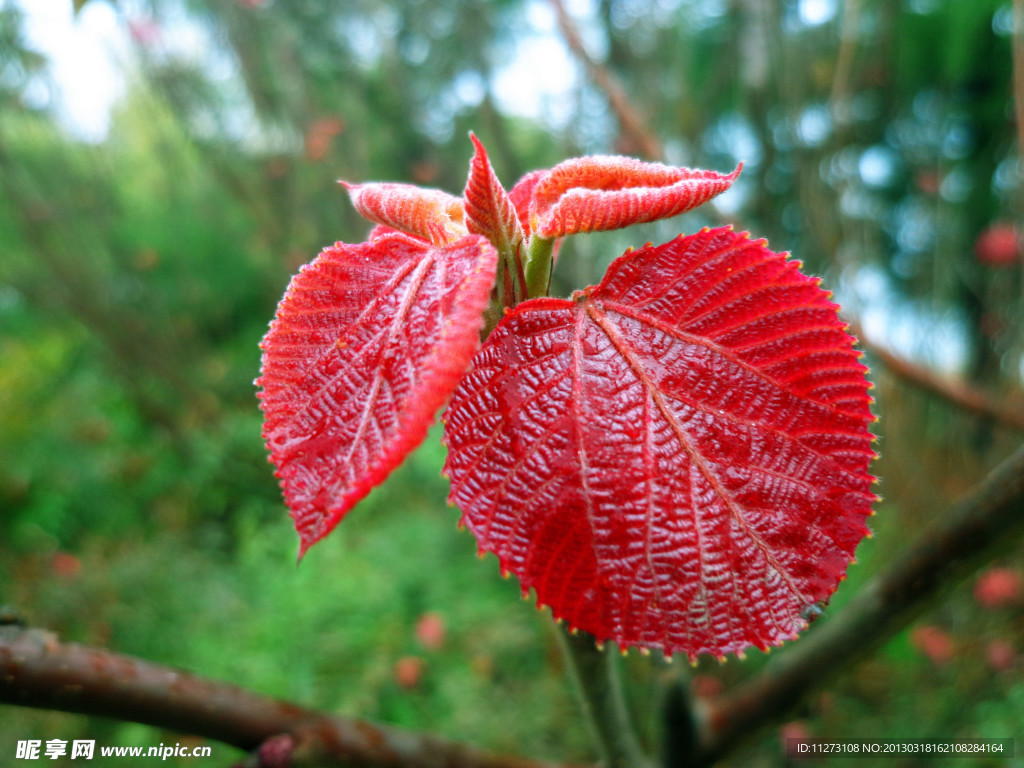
(138, 273)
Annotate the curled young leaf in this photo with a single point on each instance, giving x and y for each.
(589, 194)
(521, 195)
(489, 209)
(490, 212)
(368, 342)
(428, 213)
(677, 458)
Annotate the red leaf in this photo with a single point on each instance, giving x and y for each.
(522, 193)
(489, 210)
(588, 194)
(368, 342)
(427, 213)
(676, 458)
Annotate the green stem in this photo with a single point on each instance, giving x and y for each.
(595, 675)
(538, 266)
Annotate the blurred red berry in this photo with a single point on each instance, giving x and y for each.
(705, 686)
(933, 642)
(66, 566)
(430, 631)
(320, 135)
(409, 671)
(997, 245)
(794, 729)
(999, 587)
(277, 751)
(1001, 655)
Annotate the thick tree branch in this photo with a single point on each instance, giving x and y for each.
(980, 526)
(37, 670)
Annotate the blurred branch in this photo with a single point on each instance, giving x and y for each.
(840, 95)
(1018, 86)
(983, 524)
(1018, 71)
(37, 670)
(956, 392)
(633, 126)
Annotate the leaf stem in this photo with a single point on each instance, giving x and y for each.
(540, 255)
(595, 675)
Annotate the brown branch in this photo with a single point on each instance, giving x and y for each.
(37, 670)
(632, 124)
(1018, 86)
(957, 392)
(1018, 71)
(980, 526)
(839, 97)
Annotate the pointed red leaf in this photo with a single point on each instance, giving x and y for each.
(489, 209)
(589, 194)
(677, 458)
(427, 213)
(368, 342)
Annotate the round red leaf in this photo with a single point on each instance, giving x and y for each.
(677, 458)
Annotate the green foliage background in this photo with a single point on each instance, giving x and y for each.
(138, 273)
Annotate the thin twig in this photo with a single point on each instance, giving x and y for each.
(1018, 71)
(37, 670)
(848, 33)
(954, 391)
(980, 526)
(1018, 87)
(632, 124)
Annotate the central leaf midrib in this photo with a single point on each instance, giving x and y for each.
(401, 315)
(601, 320)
